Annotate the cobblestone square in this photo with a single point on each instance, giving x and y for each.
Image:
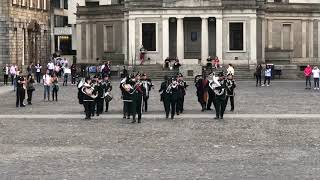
(273, 134)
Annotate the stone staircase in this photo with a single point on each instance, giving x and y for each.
(155, 71)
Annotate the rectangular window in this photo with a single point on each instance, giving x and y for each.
(286, 37)
(108, 39)
(149, 36)
(65, 5)
(236, 36)
(60, 21)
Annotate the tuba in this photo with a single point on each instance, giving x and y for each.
(214, 83)
(89, 91)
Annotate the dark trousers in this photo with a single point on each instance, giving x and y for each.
(210, 100)
(308, 81)
(136, 109)
(179, 105)
(166, 105)
(220, 107)
(258, 80)
(88, 108)
(202, 101)
(173, 104)
(145, 104)
(316, 82)
(5, 79)
(99, 105)
(267, 78)
(29, 93)
(65, 79)
(38, 76)
(231, 101)
(21, 93)
(126, 109)
(107, 105)
(54, 94)
(12, 79)
(73, 79)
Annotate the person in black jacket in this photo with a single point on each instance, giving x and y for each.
(88, 97)
(202, 92)
(137, 93)
(125, 88)
(165, 96)
(21, 90)
(107, 87)
(220, 97)
(182, 85)
(231, 85)
(173, 92)
(100, 98)
(147, 85)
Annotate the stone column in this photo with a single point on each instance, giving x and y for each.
(319, 39)
(204, 40)
(88, 42)
(263, 43)
(58, 43)
(165, 38)
(219, 39)
(94, 42)
(79, 42)
(270, 45)
(124, 41)
(304, 39)
(311, 39)
(253, 40)
(132, 42)
(180, 39)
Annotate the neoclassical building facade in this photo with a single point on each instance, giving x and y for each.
(24, 32)
(243, 32)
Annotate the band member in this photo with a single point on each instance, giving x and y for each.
(147, 85)
(21, 90)
(164, 96)
(182, 86)
(137, 93)
(107, 89)
(100, 98)
(172, 91)
(202, 91)
(89, 96)
(231, 85)
(94, 83)
(211, 94)
(125, 88)
(220, 96)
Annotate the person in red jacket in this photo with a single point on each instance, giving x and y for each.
(307, 74)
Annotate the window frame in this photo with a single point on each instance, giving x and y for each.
(244, 23)
(105, 36)
(157, 35)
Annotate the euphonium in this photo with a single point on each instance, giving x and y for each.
(89, 92)
(214, 83)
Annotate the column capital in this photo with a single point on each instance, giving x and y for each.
(204, 17)
(165, 17)
(180, 17)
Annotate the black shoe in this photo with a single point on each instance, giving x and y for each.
(98, 114)
(133, 121)
(106, 111)
(231, 110)
(202, 110)
(221, 117)
(209, 109)
(172, 117)
(178, 113)
(167, 117)
(216, 118)
(22, 105)
(139, 121)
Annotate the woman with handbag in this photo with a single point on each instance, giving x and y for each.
(30, 88)
(55, 87)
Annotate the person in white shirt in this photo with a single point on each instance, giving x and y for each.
(230, 70)
(267, 76)
(66, 72)
(6, 70)
(316, 73)
(46, 85)
(13, 73)
(38, 72)
(50, 67)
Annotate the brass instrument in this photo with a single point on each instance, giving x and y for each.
(174, 84)
(89, 91)
(214, 83)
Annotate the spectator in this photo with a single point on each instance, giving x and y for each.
(13, 73)
(124, 72)
(73, 74)
(258, 74)
(267, 76)
(176, 64)
(316, 73)
(209, 62)
(38, 72)
(216, 62)
(6, 71)
(50, 67)
(142, 54)
(55, 87)
(66, 72)
(307, 74)
(46, 85)
(230, 70)
(30, 88)
(30, 69)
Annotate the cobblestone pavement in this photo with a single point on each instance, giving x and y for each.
(188, 148)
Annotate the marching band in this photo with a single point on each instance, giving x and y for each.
(135, 92)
